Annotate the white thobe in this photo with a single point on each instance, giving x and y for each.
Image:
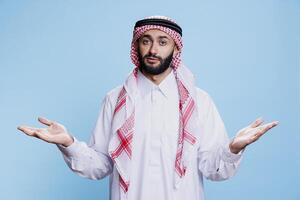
(155, 145)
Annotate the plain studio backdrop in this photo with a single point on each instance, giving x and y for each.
(58, 59)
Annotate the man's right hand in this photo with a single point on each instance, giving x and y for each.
(55, 133)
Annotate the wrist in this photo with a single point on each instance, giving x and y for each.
(234, 149)
(69, 141)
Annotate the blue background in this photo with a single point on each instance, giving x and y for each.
(59, 58)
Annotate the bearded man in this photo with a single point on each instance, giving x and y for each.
(158, 134)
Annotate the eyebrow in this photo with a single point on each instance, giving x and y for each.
(160, 37)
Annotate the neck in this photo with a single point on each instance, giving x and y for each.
(157, 79)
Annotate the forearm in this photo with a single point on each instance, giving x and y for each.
(86, 161)
(219, 164)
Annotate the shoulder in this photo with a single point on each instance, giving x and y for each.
(202, 96)
(205, 102)
(111, 97)
(114, 93)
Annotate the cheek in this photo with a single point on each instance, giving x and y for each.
(167, 53)
(143, 49)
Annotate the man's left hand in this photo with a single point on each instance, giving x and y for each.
(250, 134)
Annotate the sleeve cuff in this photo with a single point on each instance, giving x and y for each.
(228, 156)
(71, 150)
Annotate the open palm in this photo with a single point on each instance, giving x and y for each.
(250, 134)
(54, 132)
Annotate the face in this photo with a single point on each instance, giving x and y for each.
(156, 50)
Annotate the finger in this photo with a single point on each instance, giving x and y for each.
(254, 138)
(268, 126)
(27, 130)
(35, 132)
(257, 122)
(41, 134)
(264, 128)
(45, 121)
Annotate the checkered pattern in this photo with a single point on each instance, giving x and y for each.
(121, 100)
(122, 148)
(124, 185)
(186, 107)
(139, 31)
(125, 134)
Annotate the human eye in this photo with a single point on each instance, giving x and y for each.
(145, 41)
(163, 42)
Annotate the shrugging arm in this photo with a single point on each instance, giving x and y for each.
(215, 161)
(92, 160)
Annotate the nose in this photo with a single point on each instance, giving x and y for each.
(153, 49)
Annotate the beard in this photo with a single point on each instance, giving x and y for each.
(162, 67)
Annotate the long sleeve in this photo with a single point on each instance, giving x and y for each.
(215, 160)
(92, 160)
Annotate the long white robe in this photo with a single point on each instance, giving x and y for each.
(155, 145)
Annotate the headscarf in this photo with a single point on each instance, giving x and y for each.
(120, 146)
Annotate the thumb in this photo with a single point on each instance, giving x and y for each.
(257, 122)
(45, 121)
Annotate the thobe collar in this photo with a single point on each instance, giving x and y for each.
(168, 87)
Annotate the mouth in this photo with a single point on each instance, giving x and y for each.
(152, 60)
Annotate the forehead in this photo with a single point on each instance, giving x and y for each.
(155, 33)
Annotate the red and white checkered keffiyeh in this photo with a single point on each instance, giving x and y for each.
(120, 147)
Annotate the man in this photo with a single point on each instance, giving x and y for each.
(158, 134)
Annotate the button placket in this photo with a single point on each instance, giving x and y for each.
(156, 128)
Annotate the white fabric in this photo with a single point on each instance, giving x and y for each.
(155, 145)
(123, 127)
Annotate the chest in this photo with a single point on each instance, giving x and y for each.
(156, 126)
